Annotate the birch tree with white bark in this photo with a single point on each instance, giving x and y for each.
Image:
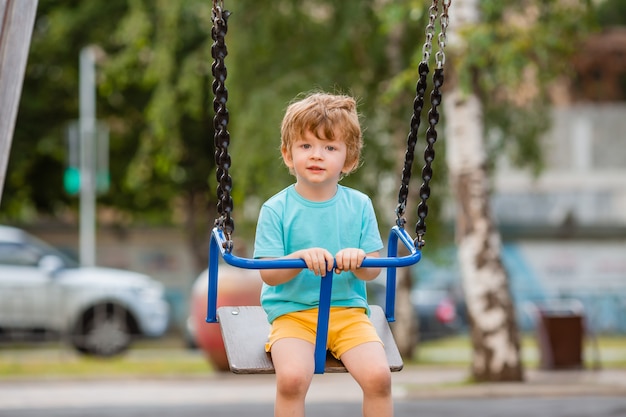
(505, 56)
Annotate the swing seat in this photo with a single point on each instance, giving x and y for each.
(245, 330)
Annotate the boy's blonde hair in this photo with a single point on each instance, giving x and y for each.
(329, 116)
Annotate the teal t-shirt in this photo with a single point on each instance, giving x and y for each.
(288, 222)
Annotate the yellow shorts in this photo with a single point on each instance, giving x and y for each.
(348, 327)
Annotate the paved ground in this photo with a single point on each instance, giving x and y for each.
(411, 383)
(438, 391)
(473, 407)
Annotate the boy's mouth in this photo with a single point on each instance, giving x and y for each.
(315, 168)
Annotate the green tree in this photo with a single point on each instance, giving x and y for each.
(49, 101)
(611, 13)
(156, 80)
(153, 92)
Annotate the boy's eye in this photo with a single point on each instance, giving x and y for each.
(331, 148)
(305, 146)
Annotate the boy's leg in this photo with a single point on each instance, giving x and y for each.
(367, 363)
(294, 363)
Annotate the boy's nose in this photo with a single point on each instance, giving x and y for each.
(317, 152)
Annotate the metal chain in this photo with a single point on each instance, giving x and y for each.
(218, 6)
(418, 105)
(429, 157)
(433, 119)
(430, 31)
(219, 18)
(442, 38)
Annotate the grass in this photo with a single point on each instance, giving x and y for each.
(609, 350)
(85, 367)
(147, 359)
(170, 358)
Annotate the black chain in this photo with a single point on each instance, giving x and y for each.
(418, 105)
(433, 119)
(429, 156)
(220, 122)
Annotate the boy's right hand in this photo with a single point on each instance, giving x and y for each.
(318, 260)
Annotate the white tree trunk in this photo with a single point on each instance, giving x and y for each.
(495, 338)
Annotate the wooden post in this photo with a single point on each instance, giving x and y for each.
(17, 18)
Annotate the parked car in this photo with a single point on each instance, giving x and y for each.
(439, 312)
(44, 292)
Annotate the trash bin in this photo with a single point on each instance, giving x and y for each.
(560, 333)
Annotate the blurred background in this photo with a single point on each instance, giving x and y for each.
(553, 88)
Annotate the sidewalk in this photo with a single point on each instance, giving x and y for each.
(412, 383)
(421, 382)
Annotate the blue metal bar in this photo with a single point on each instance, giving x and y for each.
(323, 316)
(390, 298)
(217, 247)
(212, 287)
(390, 262)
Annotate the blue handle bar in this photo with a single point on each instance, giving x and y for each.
(392, 261)
(218, 247)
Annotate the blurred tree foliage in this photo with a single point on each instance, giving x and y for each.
(611, 13)
(154, 93)
(514, 55)
(49, 101)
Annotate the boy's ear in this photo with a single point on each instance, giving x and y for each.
(349, 167)
(286, 154)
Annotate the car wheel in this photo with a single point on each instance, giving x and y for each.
(104, 331)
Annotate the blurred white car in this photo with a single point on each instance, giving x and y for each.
(44, 292)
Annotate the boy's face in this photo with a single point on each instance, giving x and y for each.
(316, 161)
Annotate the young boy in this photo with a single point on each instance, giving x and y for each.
(321, 222)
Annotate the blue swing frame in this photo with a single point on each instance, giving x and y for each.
(397, 234)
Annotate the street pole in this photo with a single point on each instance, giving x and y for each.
(87, 127)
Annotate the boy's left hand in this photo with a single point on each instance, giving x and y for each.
(349, 259)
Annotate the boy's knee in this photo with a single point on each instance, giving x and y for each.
(292, 383)
(377, 382)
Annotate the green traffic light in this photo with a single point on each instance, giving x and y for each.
(71, 180)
